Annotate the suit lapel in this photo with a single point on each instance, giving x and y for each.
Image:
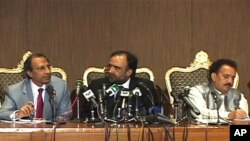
(28, 91)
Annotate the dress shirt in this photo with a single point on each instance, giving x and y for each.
(197, 99)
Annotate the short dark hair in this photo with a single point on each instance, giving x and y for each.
(215, 67)
(131, 59)
(28, 62)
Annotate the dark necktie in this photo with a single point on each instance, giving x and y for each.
(39, 106)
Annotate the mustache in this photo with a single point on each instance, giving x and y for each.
(228, 84)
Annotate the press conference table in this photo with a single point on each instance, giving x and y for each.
(74, 131)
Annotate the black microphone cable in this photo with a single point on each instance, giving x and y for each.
(141, 135)
(128, 132)
(107, 132)
(150, 134)
(117, 132)
(168, 136)
(185, 133)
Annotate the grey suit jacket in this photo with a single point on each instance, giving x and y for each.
(21, 93)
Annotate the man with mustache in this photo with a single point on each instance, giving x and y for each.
(121, 70)
(29, 97)
(218, 93)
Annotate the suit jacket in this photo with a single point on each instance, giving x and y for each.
(145, 102)
(21, 93)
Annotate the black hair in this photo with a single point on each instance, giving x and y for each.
(28, 62)
(215, 67)
(131, 59)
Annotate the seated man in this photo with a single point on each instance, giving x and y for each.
(121, 71)
(29, 97)
(218, 93)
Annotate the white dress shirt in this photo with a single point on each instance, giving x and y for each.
(197, 99)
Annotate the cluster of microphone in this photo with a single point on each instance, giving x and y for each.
(127, 103)
(121, 95)
(190, 108)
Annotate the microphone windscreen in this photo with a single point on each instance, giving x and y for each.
(214, 94)
(79, 82)
(50, 89)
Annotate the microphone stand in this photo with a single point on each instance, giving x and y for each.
(176, 106)
(52, 104)
(136, 107)
(217, 108)
(104, 87)
(78, 89)
(78, 107)
(214, 94)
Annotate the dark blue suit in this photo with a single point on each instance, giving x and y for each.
(144, 101)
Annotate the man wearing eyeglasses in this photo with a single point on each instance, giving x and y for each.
(29, 97)
(121, 71)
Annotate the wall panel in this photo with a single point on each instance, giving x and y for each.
(76, 34)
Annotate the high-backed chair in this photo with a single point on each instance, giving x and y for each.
(93, 73)
(177, 78)
(14, 75)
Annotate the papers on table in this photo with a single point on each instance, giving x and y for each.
(25, 121)
(212, 121)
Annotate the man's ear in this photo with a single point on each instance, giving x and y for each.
(213, 76)
(29, 73)
(129, 72)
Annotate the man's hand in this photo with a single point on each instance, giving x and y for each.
(237, 114)
(26, 110)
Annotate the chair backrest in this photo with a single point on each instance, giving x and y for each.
(177, 78)
(14, 75)
(93, 73)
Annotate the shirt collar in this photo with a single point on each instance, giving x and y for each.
(35, 87)
(126, 84)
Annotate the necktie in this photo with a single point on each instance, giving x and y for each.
(118, 93)
(39, 106)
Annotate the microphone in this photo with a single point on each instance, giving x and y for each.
(79, 83)
(237, 98)
(137, 93)
(130, 104)
(100, 98)
(144, 86)
(112, 90)
(176, 104)
(153, 118)
(89, 95)
(215, 96)
(50, 90)
(162, 93)
(184, 97)
(124, 94)
(150, 96)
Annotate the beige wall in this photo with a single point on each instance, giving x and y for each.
(76, 34)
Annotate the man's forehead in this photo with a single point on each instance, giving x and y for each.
(225, 68)
(118, 60)
(39, 61)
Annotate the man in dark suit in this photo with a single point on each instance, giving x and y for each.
(26, 97)
(121, 70)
